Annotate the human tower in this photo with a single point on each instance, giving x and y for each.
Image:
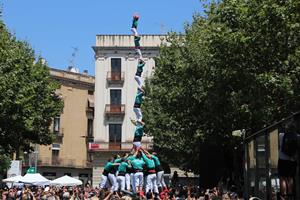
(127, 173)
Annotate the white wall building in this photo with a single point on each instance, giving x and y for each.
(115, 90)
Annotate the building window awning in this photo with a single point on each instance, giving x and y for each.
(91, 101)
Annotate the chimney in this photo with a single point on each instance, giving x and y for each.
(73, 69)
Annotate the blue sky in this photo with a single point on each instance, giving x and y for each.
(53, 27)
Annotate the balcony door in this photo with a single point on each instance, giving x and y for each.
(115, 100)
(115, 136)
(116, 69)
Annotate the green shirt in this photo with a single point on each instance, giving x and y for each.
(139, 130)
(139, 97)
(139, 69)
(118, 160)
(138, 164)
(149, 162)
(122, 167)
(137, 41)
(108, 166)
(156, 160)
(130, 158)
(134, 23)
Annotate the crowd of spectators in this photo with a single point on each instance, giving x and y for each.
(89, 193)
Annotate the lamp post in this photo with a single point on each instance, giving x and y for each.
(36, 157)
(242, 133)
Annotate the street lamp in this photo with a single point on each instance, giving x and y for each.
(242, 133)
(35, 154)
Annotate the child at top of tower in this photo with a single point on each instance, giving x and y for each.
(134, 25)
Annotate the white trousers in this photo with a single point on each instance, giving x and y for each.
(134, 31)
(131, 180)
(151, 183)
(103, 183)
(121, 182)
(138, 51)
(127, 181)
(113, 181)
(137, 180)
(139, 81)
(138, 113)
(161, 179)
(137, 144)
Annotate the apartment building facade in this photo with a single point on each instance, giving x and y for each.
(73, 129)
(115, 89)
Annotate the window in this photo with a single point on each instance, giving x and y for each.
(115, 97)
(90, 157)
(55, 157)
(116, 65)
(116, 69)
(56, 124)
(90, 128)
(90, 92)
(115, 134)
(55, 146)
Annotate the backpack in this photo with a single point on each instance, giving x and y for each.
(289, 144)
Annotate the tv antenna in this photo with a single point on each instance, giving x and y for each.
(72, 59)
(162, 28)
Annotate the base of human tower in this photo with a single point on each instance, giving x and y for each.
(102, 151)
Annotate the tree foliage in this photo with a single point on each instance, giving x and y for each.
(28, 101)
(237, 66)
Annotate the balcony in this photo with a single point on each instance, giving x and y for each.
(58, 137)
(115, 77)
(116, 146)
(60, 162)
(90, 103)
(115, 110)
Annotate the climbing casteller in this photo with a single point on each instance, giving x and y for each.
(138, 74)
(151, 181)
(104, 182)
(138, 134)
(122, 169)
(134, 25)
(137, 46)
(159, 171)
(129, 172)
(138, 103)
(138, 176)
(112, 173)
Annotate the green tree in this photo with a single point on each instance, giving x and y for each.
(28, 101)
(4, 161)
(237, 66)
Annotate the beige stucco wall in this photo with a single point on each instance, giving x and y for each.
(73, 126)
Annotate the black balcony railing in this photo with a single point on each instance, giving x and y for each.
(58, 137)
(59, 162)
